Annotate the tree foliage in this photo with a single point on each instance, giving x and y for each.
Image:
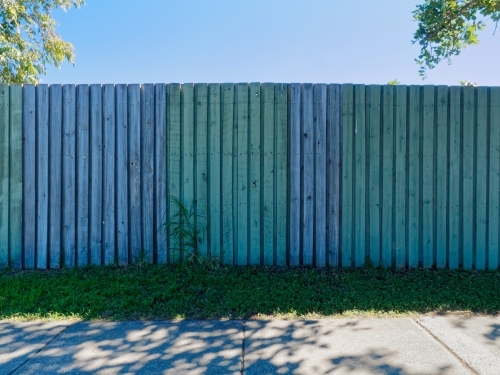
(446, 27)
(28, 40)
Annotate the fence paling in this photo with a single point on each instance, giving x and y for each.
(307, 174)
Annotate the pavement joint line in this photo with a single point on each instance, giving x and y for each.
(39, 350)
(462, 362)
(242, 368)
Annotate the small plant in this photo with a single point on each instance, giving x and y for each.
(187, 230)
(467, 83)
(394, 82)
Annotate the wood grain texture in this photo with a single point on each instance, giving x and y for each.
(160, 176)
(96, 158)
(16, 175)
(29, 176)
(494, 180)
(241, 174)
(308, 199)
(414, 161)
(201, 165)
(227, 126)
(4, 174)
(468, 109)
(320, 224)
(214, 171)
(147, 169)
(481, 178)
(400, 177)
(454, 236)
(347, 175)
(387, 175)
(441, 175)
(82, 184)
(174, 159)
(268, 174)
(333, 128)
(55, 181)
(428, 182)
(42, 175)
(254, 186)
(374, 136)
(281, 157)
(295, 172)
(68, 234)
(122, 163)
(360, 176)
(134, 172)
(109, 165)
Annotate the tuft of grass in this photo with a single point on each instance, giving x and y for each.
(200, 291)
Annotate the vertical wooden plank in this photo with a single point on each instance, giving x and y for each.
(69, 175)
(188, 138)
(494, 181)
(414, 159)
(241, 177)
(360, 175)
(319, 136)
(201, 165)
(122, 233)
(147, 169)
(400, 175)
(333, 136)
(481, 177)
(227, 106)
(347, 221)
(268, 133)
(214, 164)
(16, 175)
(109, 155)
(468, 107)
(42, 175)
(428, 177)
(387, 175)
(4, 175)
(174, 158)
(29, 176)
(82, 154)
(281, 157)
(134, 172)
(295, 152)
(160, 176)
(373, 116)
(254, 175)
(307, 134)
(441, 176)
(454, 190)
(95, 215)
(55, 180)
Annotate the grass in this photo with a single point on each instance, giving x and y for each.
(203, 291)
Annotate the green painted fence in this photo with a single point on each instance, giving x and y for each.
(283, 174)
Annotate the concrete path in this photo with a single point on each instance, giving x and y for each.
(342, 346)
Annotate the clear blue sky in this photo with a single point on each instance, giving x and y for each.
(330, 41)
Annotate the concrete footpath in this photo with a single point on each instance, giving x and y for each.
(429, 345)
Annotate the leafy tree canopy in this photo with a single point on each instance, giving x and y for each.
(446, 27)
(28, 40)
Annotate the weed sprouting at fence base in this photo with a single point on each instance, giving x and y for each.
(187, 230)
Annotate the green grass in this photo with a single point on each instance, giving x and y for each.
(206, 292)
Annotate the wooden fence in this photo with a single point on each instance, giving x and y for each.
(281, 174)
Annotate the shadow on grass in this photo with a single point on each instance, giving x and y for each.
(217, 347)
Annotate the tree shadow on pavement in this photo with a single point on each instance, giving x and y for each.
(361, 346)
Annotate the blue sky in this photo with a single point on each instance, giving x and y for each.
(329, 41)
